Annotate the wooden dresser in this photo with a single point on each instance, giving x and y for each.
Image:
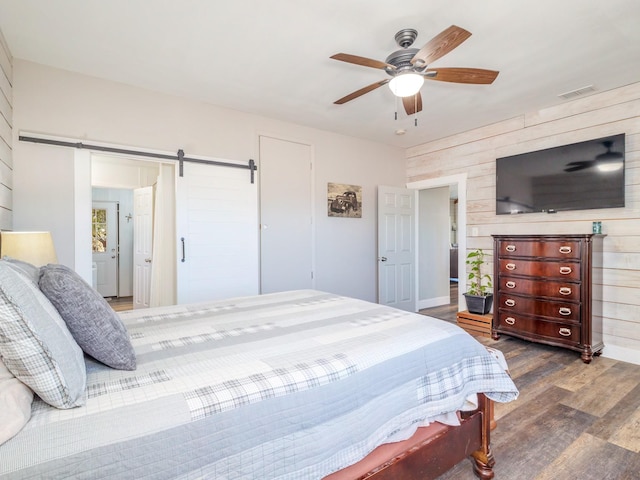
(544, 290)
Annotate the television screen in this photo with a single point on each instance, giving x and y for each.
(579, 176)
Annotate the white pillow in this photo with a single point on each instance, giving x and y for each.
(15, 404)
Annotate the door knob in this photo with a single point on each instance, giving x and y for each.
(148, 260)
(383, 259)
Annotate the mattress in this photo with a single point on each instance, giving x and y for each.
(282, 386)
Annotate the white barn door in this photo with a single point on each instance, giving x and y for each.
(217, 233)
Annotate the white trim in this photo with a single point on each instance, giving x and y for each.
(461, 181)
(622, 354)
(433, 302)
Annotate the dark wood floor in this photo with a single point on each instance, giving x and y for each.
(571, 420)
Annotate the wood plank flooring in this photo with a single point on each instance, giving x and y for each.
(571, 420)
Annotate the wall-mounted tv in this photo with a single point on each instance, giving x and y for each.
(579, 176)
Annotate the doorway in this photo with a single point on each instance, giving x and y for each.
(455, 183)
(113, 182)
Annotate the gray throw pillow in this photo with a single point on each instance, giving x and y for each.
(36, 345)
(95, 326)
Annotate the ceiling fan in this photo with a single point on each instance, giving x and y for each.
(607, 162)
(408, 67)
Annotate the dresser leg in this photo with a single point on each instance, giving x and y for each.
(587, 355)
(495, 335)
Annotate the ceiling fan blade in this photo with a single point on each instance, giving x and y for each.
(576, 168)
(478, 76)
(360, 92)
(412, 104)
(440, 45)
(579, 165)
(365, 62)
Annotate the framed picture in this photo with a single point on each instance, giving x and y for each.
(344, 200)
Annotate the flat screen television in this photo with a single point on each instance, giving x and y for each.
(579, 176)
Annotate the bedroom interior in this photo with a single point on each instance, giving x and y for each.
(162, 94)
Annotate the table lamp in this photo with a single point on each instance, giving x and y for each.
(35, 248)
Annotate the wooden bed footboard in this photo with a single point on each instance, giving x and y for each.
(435, 455)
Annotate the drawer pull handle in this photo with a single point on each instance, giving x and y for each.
(565, 332)
(564, 291)
(564, 311)
(565, 270)
(509, 302)
(510, 284)
(510, 248)
(510, 320)
(565, 249)
(510, 266)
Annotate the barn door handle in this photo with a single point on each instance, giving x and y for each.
(183, 251)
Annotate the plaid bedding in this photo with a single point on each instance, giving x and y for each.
(282, 386)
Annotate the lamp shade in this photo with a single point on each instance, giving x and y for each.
(406, 84)
(33, 247)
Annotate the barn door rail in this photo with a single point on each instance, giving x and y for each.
(180, 158)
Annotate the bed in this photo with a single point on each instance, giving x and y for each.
(292, 385)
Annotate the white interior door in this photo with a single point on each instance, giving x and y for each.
(217, 233)
(286, 250)
(142, 245)
(104, 229)
(397, 247)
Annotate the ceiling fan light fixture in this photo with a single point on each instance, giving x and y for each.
(406, 84)
(610, 165)
(609, 161)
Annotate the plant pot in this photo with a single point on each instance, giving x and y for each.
(479, 304)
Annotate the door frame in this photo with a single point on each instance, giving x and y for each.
(461, 181)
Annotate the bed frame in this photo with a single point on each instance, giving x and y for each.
(432, 456)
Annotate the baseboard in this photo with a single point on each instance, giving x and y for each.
(433, 302)
(622, 354)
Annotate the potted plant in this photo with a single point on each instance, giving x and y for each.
(479, 295)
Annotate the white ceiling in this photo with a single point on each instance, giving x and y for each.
(271, 57)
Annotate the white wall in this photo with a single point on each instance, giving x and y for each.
(56, 102)
(474, 153)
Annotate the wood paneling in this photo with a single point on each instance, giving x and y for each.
(598, 115)
(6, 122)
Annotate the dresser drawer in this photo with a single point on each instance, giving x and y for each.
(553, 249)
(531, 326)
(561, 311)
(540, 288)
(556, 270)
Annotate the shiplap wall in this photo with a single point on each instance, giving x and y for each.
(595, 116)
(6, 115)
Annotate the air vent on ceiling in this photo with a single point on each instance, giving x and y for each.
(578, 92)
